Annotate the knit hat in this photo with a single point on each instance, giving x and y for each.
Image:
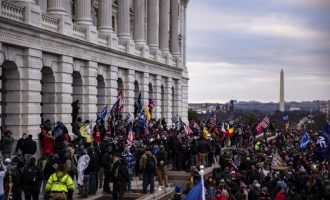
(177, 189)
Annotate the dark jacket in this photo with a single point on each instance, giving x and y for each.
(6, 143)
(35, 185)
(30, 147)
(161, 156)
(203, 146)
(21, 143)
(123, 171)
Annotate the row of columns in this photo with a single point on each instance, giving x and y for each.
(162, 17)
(27, 108)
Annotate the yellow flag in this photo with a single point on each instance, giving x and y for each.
(205, 133)
(83, 133)
(148, 114)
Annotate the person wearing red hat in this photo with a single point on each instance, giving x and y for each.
(6, 143)
(219, 195)
(280, 195)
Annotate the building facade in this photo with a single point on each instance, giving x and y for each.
(53, 52)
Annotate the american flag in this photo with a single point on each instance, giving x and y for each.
(120, 100)
(176, 121)
(213, 120)
(187, 129)
(130, 138)
(263, 124)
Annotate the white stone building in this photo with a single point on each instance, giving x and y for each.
(53, 52)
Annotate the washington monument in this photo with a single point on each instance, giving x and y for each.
(282, 107)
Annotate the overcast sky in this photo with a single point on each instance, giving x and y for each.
(237, 48)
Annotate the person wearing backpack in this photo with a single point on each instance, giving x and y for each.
(32, 177)
(115, 175)
(162, 167)
(148, 165)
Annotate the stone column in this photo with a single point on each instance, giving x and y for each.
(174, 29)
(1, 61)
(139, 17)
(105, 16)
(30, 89)
(157, 97)
(56, 7)
(123, 19)
(185, 34)
(89, 78)
(153, 24)
(113, 84)
(129, 91)
(63, 90)
(184, 99)
(168, 99)
(164, 25)
(145, 87)
(84, 12)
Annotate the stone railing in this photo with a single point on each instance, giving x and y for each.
(79, 32)
(50, 23)
(122, 46)
(102, 39)
(138, 51)
(152, 54)
(12, 11)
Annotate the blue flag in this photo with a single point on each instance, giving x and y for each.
(285, 117)
(196, 193)
(142, 119)
(304, 141)
(327, 131)
(102, 114)
(322, 147)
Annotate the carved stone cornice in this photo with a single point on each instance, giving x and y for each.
(185, 3)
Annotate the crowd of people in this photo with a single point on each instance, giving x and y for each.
(107, 155)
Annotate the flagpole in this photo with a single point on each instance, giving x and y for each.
(201, 172)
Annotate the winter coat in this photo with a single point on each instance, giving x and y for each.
(7, 142)
(280, 196)
(30, 147)
(21, 143)
(48, 145)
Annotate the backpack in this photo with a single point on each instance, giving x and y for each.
(151, 163)
(115, 170)
(30, 174)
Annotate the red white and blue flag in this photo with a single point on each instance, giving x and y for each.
(213, 120)
(263, 124)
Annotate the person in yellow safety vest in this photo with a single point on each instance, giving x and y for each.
(257, 146)
(60, 185)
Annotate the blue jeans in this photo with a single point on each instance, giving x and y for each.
(129, 186)
(148, 179)
(193, 160)
(2, 197)
(92, 183)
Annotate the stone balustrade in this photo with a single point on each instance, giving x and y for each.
(102, 39)
(79, 32)
(12, 11)
(50, 23)
(138, 51)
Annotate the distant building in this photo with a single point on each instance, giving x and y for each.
(294, 109)
(282, 106)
